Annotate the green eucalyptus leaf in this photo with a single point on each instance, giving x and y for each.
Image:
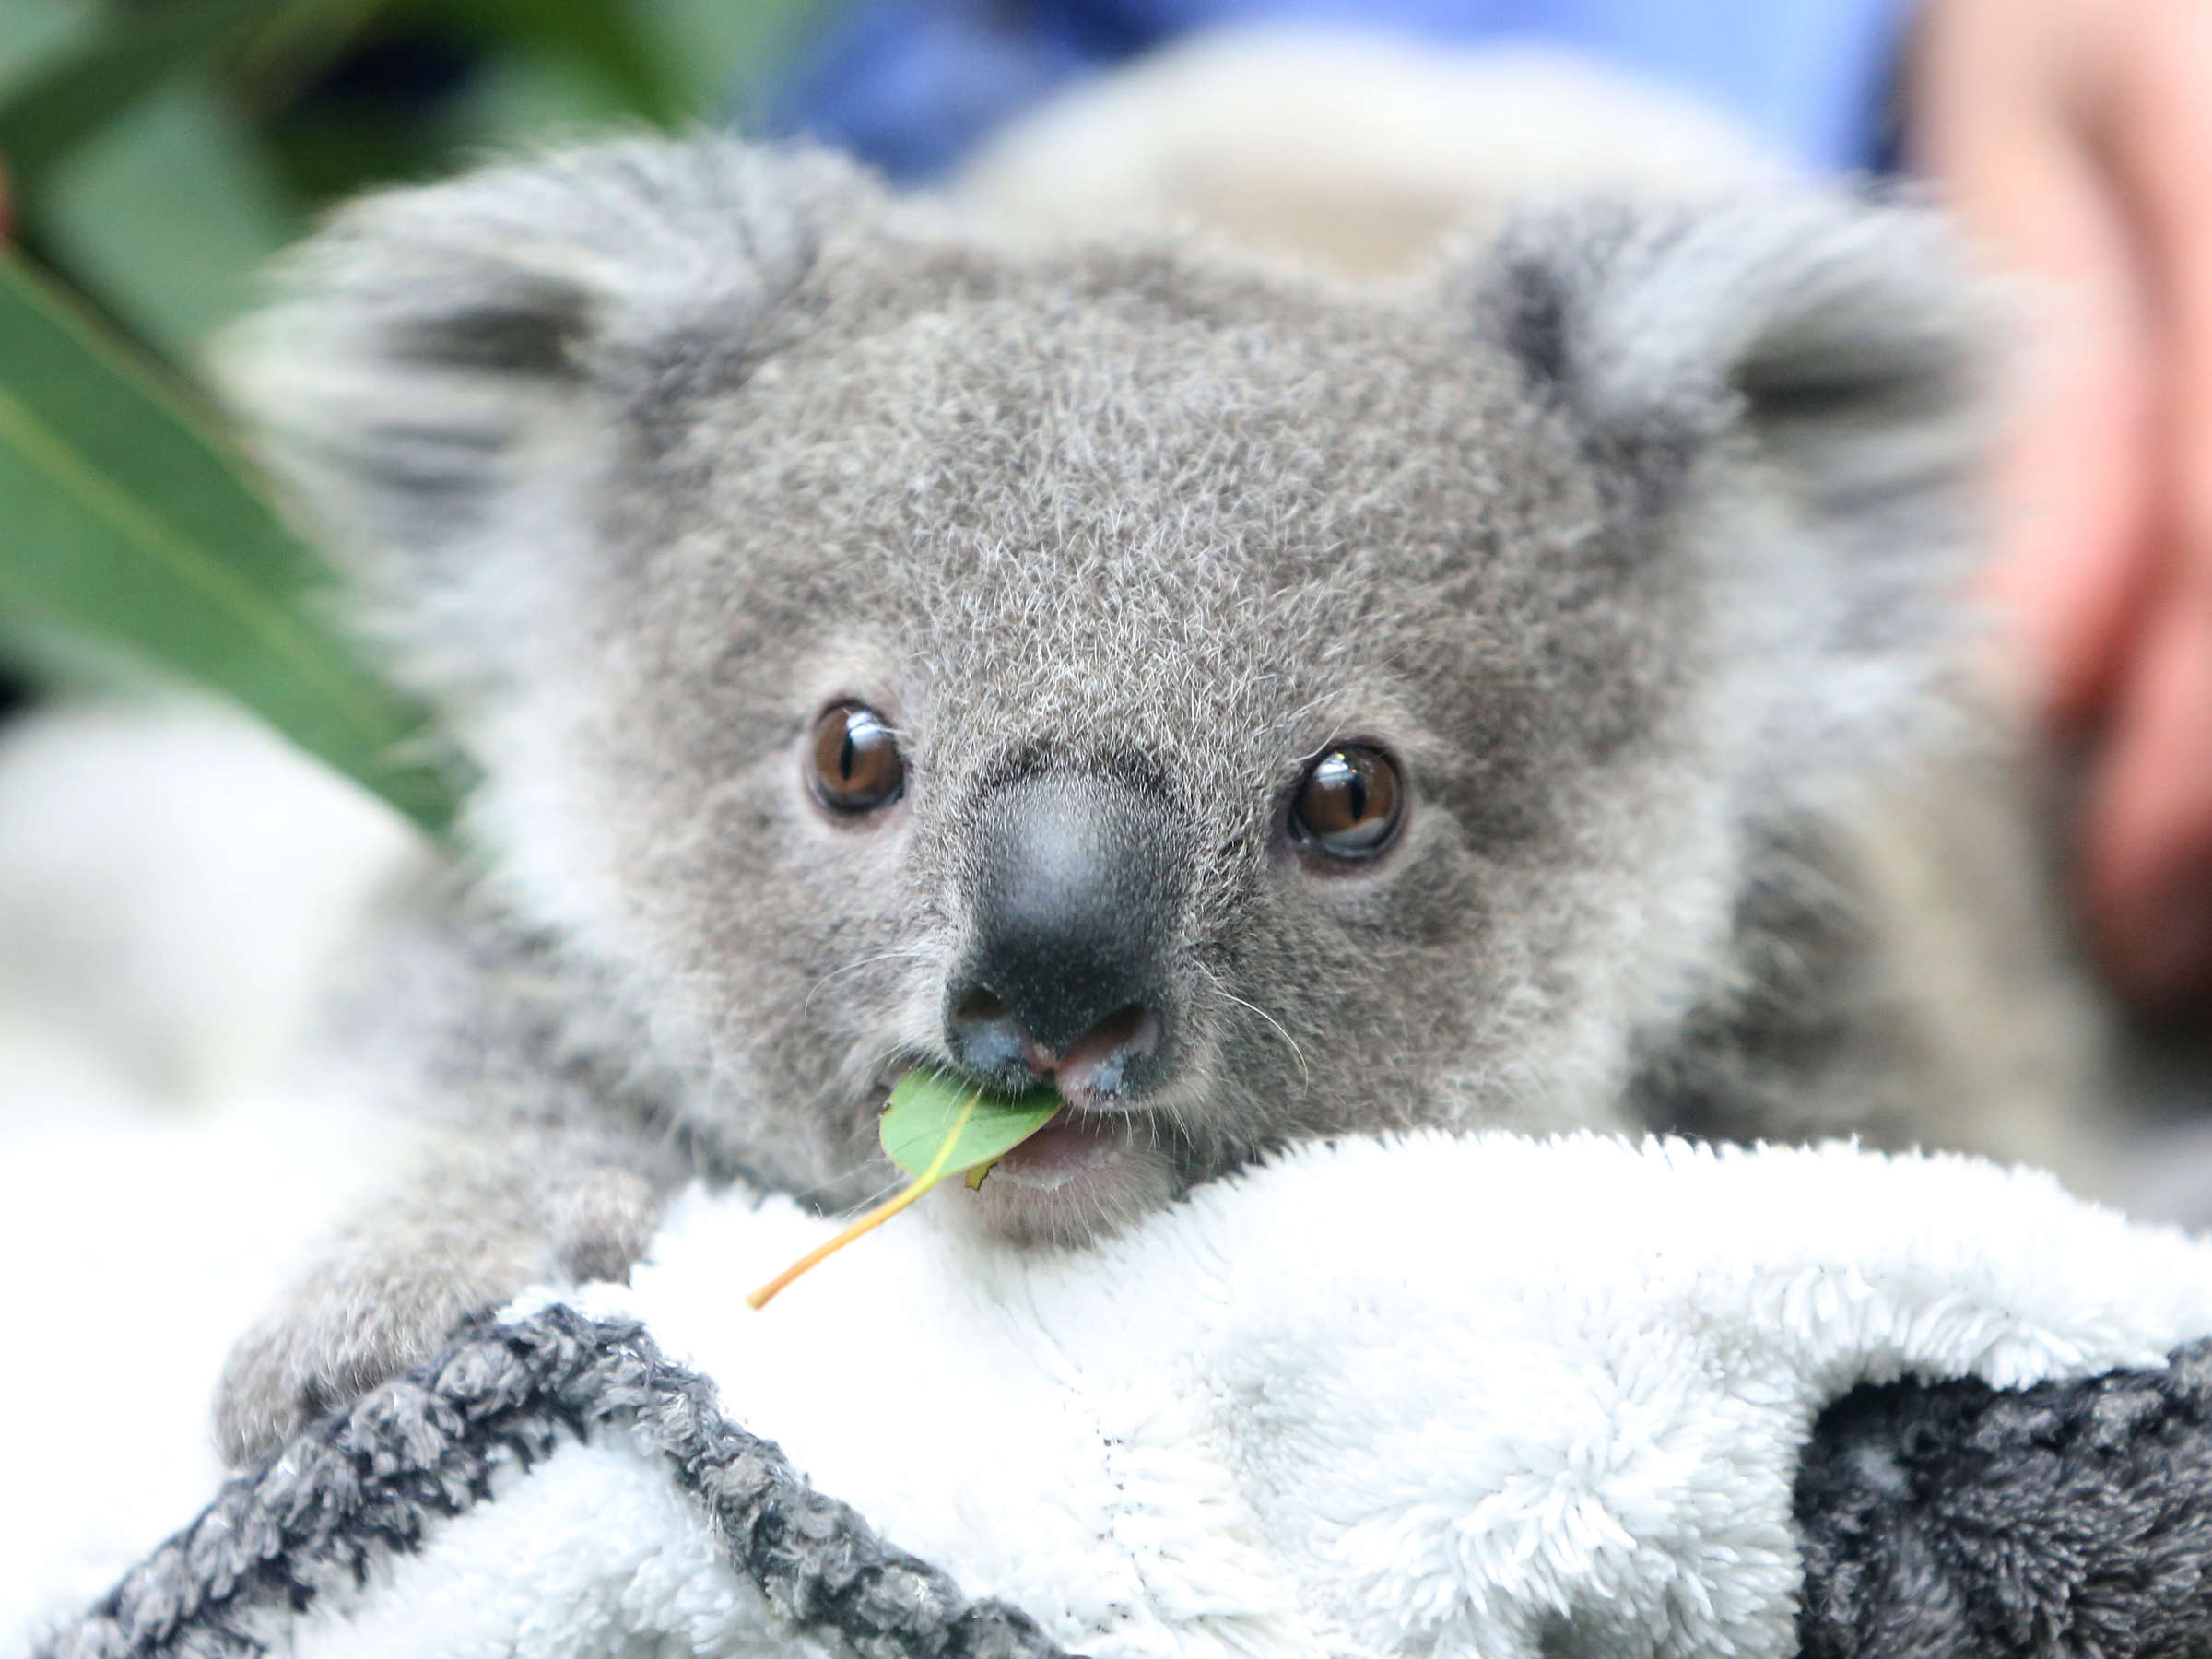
(606, 39)
(34, 33)
(125, 519)
(938, 1126)
(166, 217)
(527, 99)
(935, 1125)
(78, 92)
(719, 53)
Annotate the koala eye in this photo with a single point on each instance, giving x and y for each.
(1349, 803)
(856, 764)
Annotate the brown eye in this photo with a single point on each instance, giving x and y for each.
(1349, 804)
(856, 763)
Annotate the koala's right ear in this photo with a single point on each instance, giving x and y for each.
(1814, 375)
(1844, 338)
(438, 354)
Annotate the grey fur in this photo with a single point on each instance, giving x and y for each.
(481, 1222)
(1629, 536)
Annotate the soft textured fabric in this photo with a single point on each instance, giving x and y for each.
(1482, 1395)
(912, 85)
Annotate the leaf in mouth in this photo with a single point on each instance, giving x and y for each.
(935, 1125)
(942, 1123)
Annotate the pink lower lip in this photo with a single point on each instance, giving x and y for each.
(1070, 1144)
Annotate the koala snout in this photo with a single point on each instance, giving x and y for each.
(1074, 891)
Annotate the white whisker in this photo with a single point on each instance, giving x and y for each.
(1305, 1076)
(902, 951)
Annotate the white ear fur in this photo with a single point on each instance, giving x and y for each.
(1797, 384)
(433, 346)
(1844, 336)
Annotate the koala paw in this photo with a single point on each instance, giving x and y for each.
(463, 1250)
(336, 1338)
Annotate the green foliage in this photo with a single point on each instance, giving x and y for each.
(165, 217)
(153, 155)
(106, 68)
(130, 520)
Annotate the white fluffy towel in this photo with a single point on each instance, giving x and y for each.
(1438, 1395)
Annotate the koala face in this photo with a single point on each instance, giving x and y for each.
(1157, 697)
(1260, 709)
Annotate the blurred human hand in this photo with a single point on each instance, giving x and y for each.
(2074, 137)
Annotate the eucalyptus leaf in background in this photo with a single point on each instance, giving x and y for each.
(124, 54)
(549, 86)
(126, 518)
(130, 170)
(34, 33)
(156, 153)
(166, 217)
(609, 40)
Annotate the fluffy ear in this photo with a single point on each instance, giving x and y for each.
(446, 370)
(1843, 337)
(1796, 385)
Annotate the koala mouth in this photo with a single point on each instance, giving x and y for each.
(1072, 1144)
(1108, 1155)
(1084, 1175)
(1094, 1130)
(1089, 1173)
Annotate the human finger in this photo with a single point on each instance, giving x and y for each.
(2149, 828)
(2072, 488)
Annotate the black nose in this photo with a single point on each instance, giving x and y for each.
(1073, 890)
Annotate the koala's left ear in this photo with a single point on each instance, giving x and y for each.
(446, 369)
(1842, 339)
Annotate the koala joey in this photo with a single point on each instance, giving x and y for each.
(1264, 707)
